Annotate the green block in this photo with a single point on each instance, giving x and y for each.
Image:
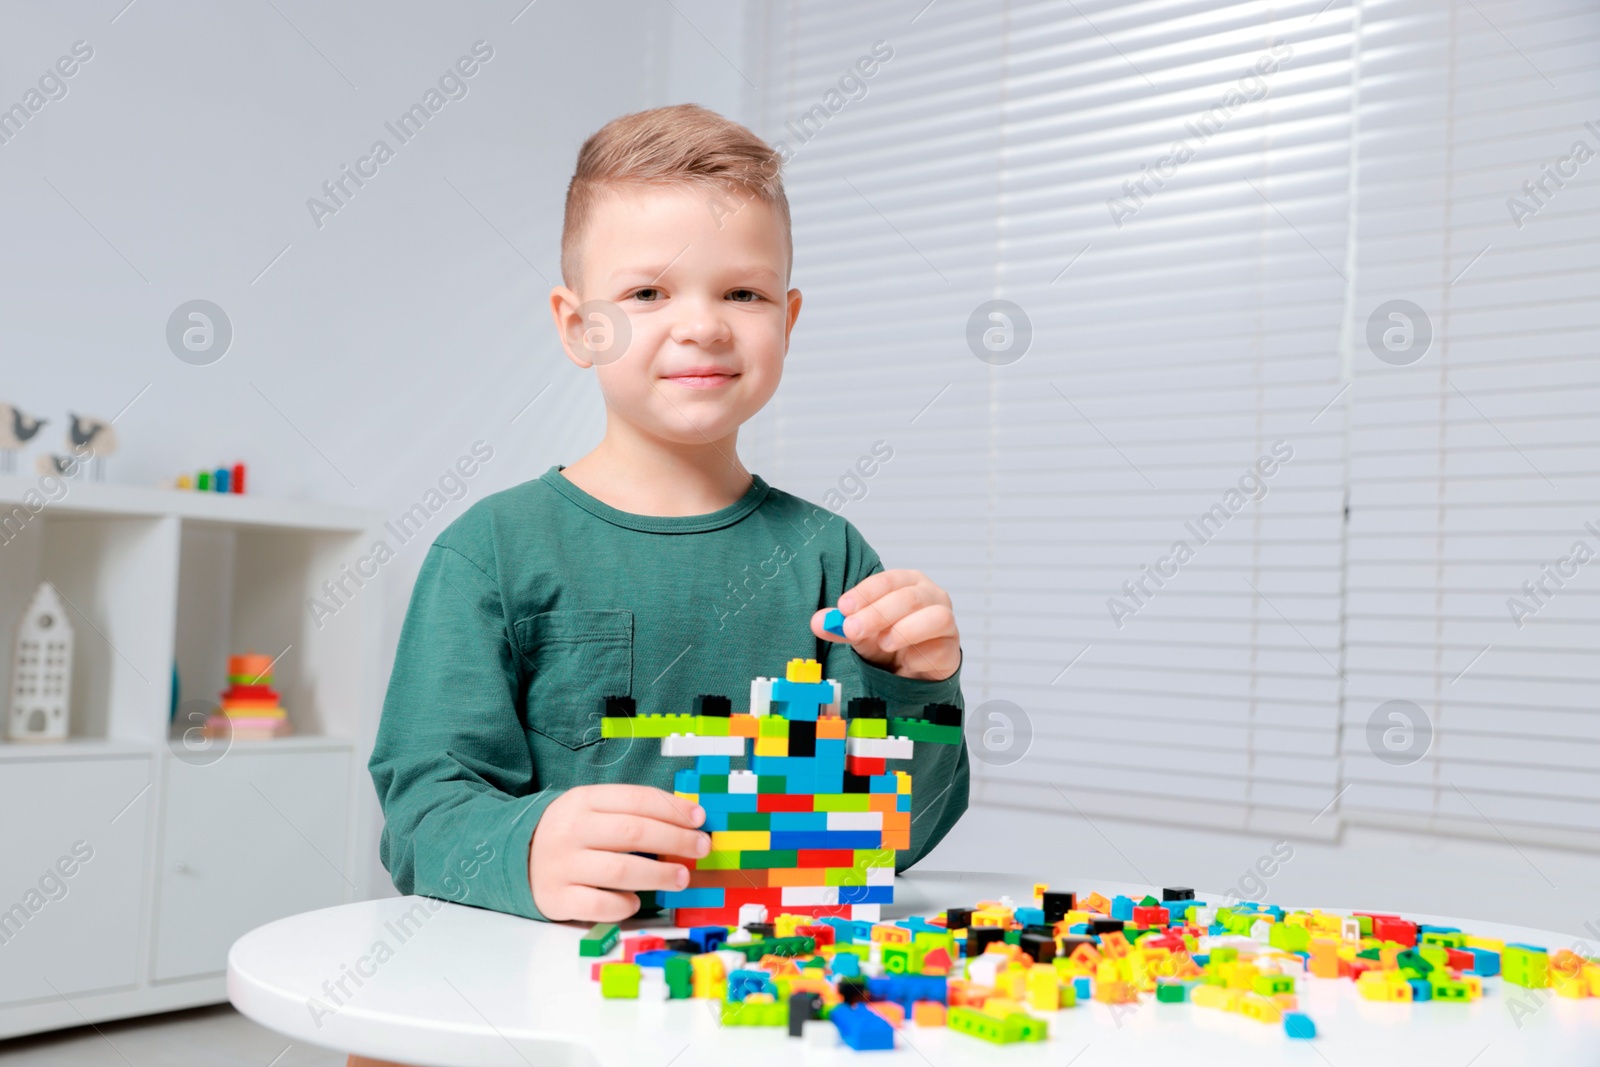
(874, 857)
(928, 941)
(710, 726)
(600, 939)
(744, 1013)
(1149, 902)
(680, 976)
(1224, 954)
(1415, 963)
(1013, 937)
(656, 725)
(619, 980)
(771, 783)
(616, 726)
(1435, 955)
(713, 783)
(1443, 940)
(1013, 1028)
(761, 860)
(1289, 938)
(867, 728)
(721, 860)
(775, 946)
(1365, 922)
(1272, 984)
(917, 730)
(842, 802)
(749, 820)
(1171, 992)
(773, 726)
(845, 876)
(860, 952)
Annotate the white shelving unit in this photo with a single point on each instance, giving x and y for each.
(174, 851)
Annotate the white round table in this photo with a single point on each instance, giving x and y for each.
(456, 986)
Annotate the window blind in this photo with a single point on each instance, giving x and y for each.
(1475, 444)
(1163, 190)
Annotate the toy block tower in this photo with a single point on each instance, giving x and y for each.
(811, 826)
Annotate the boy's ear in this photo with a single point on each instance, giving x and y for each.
(569, 325)
(794, 313)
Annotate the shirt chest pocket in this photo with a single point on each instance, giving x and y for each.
(573, 660)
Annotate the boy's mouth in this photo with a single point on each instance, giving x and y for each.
(701, 377)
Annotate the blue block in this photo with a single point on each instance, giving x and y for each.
(710, 765)
(829, 782)
(1530, 948)
(1029, 916)
(728, 802)
(1078, 929)
(1080, 986)
(1298, 1024)
(883, 783)
(1421, 989)
(903, 802)
(656, 958)
(787, 839)
(686, 781)
(866, 894)
(1485, 962)
(798, 784)
(846, 965)
(715, 820)
(1122, 908)
(833, 622)
(698, 897)
(742, 983)
(708, 937)
(831, 749)
(1201, 959)
(904, 989)
(861, 1028)
(1424, 928)
(802, 692)
(799, 820)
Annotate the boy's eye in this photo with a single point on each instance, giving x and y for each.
(744, 296)
(647, 295)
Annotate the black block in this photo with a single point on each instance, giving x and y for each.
(683, 944)
(853, 990)
(617, 707)
(1041, 948)
(710, 704)
(957, 918)
(761, 929)
(942, 714)
(1056, 905)
(866, 708)
(857, 783)
(981, 937)
(1105, 926)
(1178, 893)
(803, 1006)
(802, 738)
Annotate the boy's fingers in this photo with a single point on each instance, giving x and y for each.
(889, 610)
(592, 905)
(870, 589)
(638, 833)
(645, 800)
(923, 624)
(621, 871)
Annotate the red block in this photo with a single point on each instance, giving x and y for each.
(1459, 960)
(784, 801)
(822, 934)
(1150, 916)
(1396, 930)
(632, 946)
(824, 857)
(729, 916)
(865, 765)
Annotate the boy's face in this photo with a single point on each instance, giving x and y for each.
(699, 278)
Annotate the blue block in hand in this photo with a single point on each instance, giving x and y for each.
(833, 622)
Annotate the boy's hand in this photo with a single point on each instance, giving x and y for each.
(579, 863)
(902, 622)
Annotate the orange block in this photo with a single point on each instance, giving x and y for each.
(927, 1013)
(757, 879)
(743, 726)
(884, 802)
(1096, 903)
(897, 820)
(900, 839)
(889, 1010)
(830, 727)
(784, 876)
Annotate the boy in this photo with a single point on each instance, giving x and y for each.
(655, 567)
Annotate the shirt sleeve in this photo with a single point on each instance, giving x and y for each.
(451, 764)
(940, 774)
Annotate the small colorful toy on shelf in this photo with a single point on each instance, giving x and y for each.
(221, 480)
(997, 970)
(250, 708)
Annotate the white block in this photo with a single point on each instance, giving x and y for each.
(741, 781)
(880, 747)
(982, 971)
(739, 936)
(819, 1033)
(752, 913)
(683, 745)
(810, 896)
(731, 961)
(760, 696)
(1350, 928)
(871, 968)
(832, 708)
(1204, 917)
(866, 912)
(855, 820)
(1260, 930)
(880, 876)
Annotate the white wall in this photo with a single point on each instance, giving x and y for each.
(379, 347)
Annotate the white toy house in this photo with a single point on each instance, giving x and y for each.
(41, 686)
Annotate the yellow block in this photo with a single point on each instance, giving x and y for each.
(902, 782)
(1000, 1007)
(1040, 889)
(1260, 1008)
(693, 798)
(804, 670)
(1214, 996)
(772, 746)
(741, 840)
(1043, 988)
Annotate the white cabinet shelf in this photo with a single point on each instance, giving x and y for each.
(190, 847)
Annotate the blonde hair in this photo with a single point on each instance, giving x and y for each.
(683, 145)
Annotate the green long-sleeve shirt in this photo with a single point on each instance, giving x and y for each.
(541, 600)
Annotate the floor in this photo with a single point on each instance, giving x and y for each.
(200, 1037)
